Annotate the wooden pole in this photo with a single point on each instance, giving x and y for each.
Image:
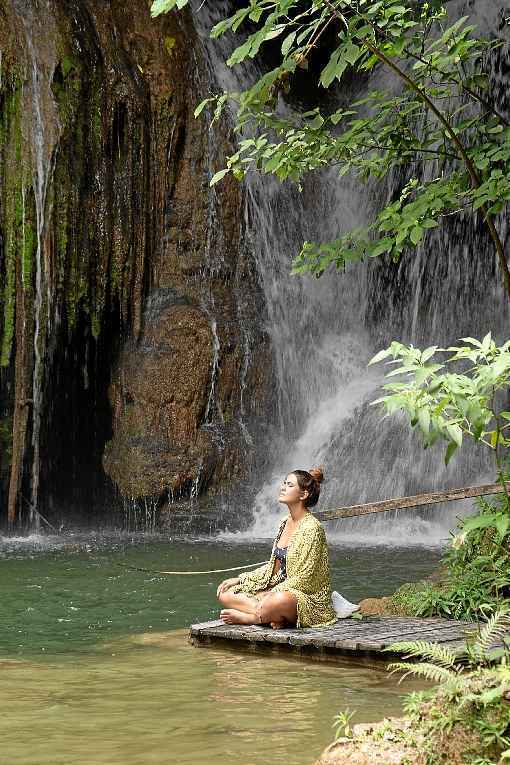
(402, 503)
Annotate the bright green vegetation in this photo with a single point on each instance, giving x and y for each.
(17, 213)
(441, 125)
(475, 576)
(451, 401)
(469, 711)
(464, 719)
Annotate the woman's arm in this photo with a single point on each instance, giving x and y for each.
(226, 584)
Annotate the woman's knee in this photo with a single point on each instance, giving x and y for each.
(225, 598)
(276, 605)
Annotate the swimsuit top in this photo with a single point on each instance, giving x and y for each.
(280, 553)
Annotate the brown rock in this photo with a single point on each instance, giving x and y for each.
(159, 399)
(367, 749)
(374, 606)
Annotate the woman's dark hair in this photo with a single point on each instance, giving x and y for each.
(310, 481)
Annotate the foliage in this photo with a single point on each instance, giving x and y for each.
(342, 724)
(476, 565)
(442, 121)
(473, 692)
(465, 718)
(448, 405)
(464, 396)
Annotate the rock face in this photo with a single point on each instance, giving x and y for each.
(372, 743)
(132, 279)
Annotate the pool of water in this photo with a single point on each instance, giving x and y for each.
(96, 669)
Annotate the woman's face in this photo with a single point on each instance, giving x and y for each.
(290, 493)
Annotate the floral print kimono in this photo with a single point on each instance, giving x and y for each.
(307, 574)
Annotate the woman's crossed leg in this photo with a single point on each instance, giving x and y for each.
(278, 609)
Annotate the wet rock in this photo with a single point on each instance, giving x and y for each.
(157, 366)
(159, 398)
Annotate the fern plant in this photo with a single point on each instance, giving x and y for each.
(446, 665)
(472, 693)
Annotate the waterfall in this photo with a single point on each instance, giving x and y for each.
(42, 126)
(323, 332)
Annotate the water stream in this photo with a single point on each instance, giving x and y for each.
(42, 124)
(323, 332)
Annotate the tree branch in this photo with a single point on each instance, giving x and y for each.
(475, 178)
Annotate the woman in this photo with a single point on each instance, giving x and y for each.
(294, 588)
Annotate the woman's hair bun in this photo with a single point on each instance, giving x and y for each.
(317, 473)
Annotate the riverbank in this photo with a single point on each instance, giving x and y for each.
(464, 719)
(435, 732)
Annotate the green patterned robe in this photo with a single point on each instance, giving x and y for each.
(307, 574)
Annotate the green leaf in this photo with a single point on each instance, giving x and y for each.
(240, 53)
(502, 524)
(480, 522)
(288, 43)
(455, 433)
(201, 106)
(424, 420)
(450, 451)
(416, 234)
(334, 68)
(380, 356)
(164, 6)
(351, 52)
(382, 245)
(428, 353)
(218, 176)
(486, 343)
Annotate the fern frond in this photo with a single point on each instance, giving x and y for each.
(493, 632)
(429, 671)
(436, 653)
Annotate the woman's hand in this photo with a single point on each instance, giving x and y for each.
(226, 585)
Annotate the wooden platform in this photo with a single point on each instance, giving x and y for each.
(348, 638)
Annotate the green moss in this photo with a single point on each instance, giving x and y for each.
(5, 442)
(67, 65)
(169, 44)
(96, 325)
(13, 213)
(412, 599)
(29, 250)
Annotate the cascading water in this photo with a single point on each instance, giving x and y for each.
(323, 332)
(42, 125)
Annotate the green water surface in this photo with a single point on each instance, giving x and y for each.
(95, 667)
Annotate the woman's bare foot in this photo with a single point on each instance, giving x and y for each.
(277, 625)
(233, 616)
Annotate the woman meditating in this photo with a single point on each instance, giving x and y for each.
(294, 588)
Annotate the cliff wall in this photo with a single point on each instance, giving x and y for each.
(134, 364)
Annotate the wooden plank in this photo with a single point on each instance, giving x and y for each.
(380, 642)
(277, 636)
(346, 637)
(402, 503)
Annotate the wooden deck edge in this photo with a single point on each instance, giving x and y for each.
(369, 639)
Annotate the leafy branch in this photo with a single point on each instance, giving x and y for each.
(443, 112)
